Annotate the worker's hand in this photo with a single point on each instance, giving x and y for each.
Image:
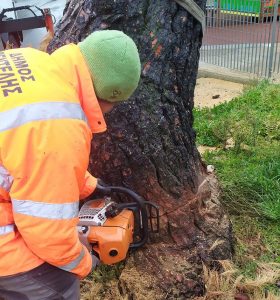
(102, 188)
(95, 261)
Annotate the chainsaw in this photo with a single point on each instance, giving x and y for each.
(110, 228)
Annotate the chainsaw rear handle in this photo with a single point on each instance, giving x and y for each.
(107, 190)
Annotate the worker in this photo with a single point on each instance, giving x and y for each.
(49, 107)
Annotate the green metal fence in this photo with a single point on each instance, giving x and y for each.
(243, 35)
(248, 6)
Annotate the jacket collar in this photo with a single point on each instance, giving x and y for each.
(88, 98)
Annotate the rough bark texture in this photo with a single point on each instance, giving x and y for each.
(150, 144)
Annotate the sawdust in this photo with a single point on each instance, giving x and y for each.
(91, 290)
(210, 91)
(165, 275)
(138, 285)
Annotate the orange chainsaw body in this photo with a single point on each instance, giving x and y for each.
(111, 239)
(109, 229)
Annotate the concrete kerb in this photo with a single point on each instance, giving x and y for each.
(212, 71)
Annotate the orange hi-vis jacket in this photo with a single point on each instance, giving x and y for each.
(48, 112)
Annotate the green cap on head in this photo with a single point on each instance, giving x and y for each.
(113, 60)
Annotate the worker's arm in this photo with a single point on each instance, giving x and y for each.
(5, 184)
(48, 165)
(4, 195)
(6, 212)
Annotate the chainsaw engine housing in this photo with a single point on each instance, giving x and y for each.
(110, 238)
(110, 229)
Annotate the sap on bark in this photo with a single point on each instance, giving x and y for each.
(150, 145)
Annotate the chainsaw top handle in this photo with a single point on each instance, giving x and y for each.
(141, 203)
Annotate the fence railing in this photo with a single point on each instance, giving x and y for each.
(243, 35)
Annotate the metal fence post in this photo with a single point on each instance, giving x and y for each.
(243, 35)
(273, 38)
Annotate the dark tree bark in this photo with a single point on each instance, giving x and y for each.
(150, 144)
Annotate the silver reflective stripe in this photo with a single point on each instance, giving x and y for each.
(46, 210)
(6, 229)
(73, 264)
(39, 112)
(6, 179)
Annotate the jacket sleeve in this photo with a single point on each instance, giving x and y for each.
(48, 165)
(4, 195)
(89, 186)
(5, 201)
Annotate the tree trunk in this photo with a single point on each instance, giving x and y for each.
(150, 144)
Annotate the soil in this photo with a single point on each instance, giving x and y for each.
(210, 91)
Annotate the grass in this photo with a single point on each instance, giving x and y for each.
(245, 134)
(250, 169)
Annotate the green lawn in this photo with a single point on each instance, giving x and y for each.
(246, 135)
(250, 170)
